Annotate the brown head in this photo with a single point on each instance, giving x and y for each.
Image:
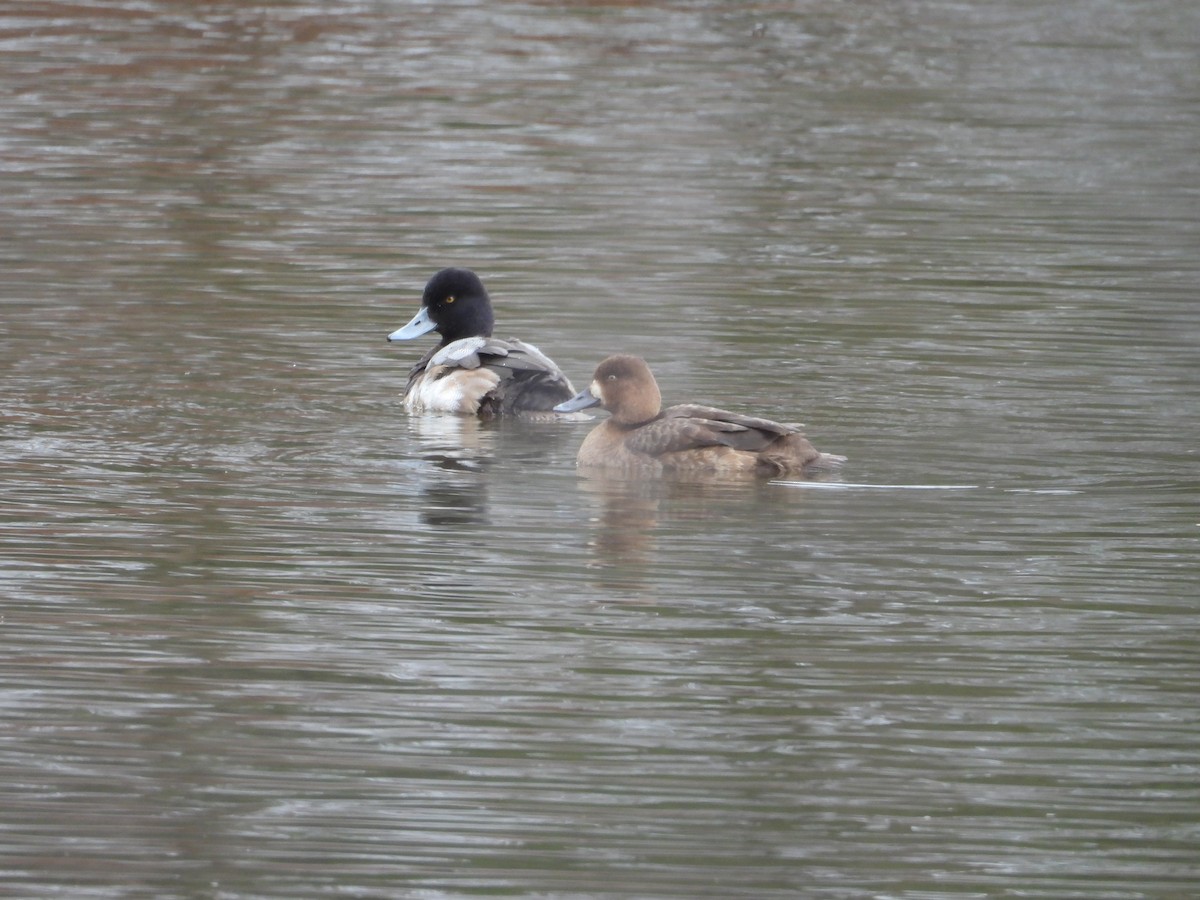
(625, 387)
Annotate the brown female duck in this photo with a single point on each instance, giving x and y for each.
(690, 440)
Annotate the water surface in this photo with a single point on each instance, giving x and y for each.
(268, 636)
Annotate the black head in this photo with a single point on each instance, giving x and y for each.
(459, 305)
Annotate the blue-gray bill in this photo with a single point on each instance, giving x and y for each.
(420, 324)
(582, 400)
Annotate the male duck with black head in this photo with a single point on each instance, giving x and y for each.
(470, 372)
(689, 440)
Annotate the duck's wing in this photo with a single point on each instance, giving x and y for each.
(722, 417)
(526, 357)
(473, 352)
(780, 448)
(529, 381)
(693, 425)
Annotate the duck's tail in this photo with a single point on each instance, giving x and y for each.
(825, 462)
(792, 454)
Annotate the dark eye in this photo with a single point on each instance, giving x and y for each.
(611, 378)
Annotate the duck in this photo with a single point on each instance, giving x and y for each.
(470, 372)
(642, 438)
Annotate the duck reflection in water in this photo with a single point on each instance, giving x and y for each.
(459, 450)
(464, 460)
(623, 533)
(633, 513)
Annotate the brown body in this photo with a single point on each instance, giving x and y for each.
(687, 440)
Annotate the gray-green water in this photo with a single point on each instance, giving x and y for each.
(265, 636)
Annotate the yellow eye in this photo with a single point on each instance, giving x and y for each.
(450, 299)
